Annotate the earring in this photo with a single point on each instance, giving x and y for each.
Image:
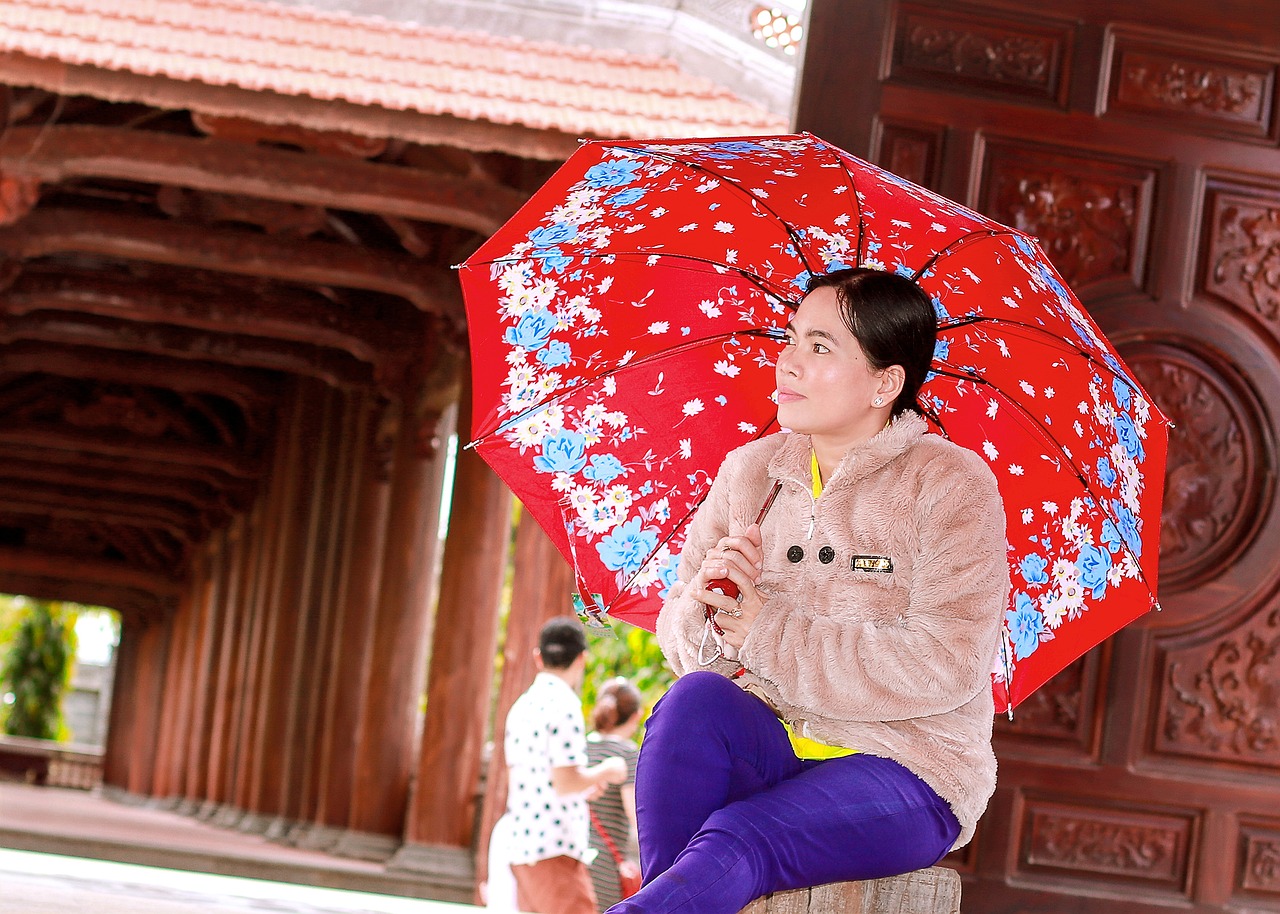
(877, 402)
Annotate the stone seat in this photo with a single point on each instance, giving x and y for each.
(932, 891)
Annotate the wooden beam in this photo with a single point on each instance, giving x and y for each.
(251, 389)
(232, 462)
(289, 314)
(87, 570)
(55, 154)
(336, 368)
(52, 231)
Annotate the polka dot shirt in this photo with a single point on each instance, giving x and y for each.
(544, 731)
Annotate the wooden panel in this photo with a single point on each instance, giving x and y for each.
(911, 150)
(1216, 485)
(1220, 698)
(1241, 245)
(1092, 214)
(1107, 843)
(958, 49)
(1189, 84)
(1063, 719)
(1258, 872)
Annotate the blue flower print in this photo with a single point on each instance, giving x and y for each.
(563, 452)
(667, 576)
(551, 235)
(1025, 246)
(556, 354)
(1111, 536)
(941, 310)
(1106, 472)
(1033, 569)
(1130, 528)
(532, 331)
(1094, 563)
(626, 197)
(1127, 432)
(604, 468)
(553, 260)
(801, 280)
(613, 173)
(941, 349)
(1025, 626)
(626, 547)
(1123, 395)
(903, 270)
(731, 150)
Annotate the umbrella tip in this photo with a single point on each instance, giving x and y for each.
(1009, 711)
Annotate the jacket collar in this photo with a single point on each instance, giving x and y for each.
(792, 461)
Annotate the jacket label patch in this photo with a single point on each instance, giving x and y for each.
(881, 563)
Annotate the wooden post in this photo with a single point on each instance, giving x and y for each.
(932, 891)
(365, 539)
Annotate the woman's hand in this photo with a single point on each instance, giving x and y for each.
(740, 559)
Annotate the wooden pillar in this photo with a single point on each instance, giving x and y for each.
(175, 728)
(210, 624)
(283, 607)
(363, 539)
(387, 736)
(321, 569)
(122, 720)
(441, 824)
(272, 509)
(544, 581)
(225, 749)
(146, 696)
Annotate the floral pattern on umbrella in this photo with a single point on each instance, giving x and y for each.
(624, 327)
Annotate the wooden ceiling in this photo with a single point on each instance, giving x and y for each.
(163, 275)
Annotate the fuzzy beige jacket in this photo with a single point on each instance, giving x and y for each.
(894, 663)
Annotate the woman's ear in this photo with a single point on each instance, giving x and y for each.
(892, 380)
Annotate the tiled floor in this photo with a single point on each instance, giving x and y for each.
(54, 842)
(35, 883)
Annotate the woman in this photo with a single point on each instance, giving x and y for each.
(615, 716)
(833, 722)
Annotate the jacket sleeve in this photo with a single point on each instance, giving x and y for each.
(939, 655)
(681, 621)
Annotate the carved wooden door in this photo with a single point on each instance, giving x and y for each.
(1139, 141)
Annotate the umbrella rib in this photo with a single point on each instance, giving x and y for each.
(1043, 432)
(796, 241)
(615, 369)
(963, 240)
(1050, 338)
(768, 428)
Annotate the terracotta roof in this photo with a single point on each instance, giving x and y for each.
(299, 51)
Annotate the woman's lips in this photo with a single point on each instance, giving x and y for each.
(787, 395)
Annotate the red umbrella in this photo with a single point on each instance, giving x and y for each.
(623, 331)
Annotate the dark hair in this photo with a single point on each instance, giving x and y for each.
(616, 703)
(892, 319)
(561, 641)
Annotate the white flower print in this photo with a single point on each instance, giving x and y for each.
(686, 448)
(990, 450)
(1049, 507)
(693, 407)
(1028, 515)
(727, 368)
(747, 428)
(659, 327)
(1015, 469)
(709, 308)
(993, 406)
(725, 227)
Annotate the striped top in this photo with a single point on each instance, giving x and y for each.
(609, 810)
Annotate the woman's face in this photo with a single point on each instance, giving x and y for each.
(825, 386)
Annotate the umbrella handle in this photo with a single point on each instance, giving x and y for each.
(724, 585)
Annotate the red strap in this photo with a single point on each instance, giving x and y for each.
(604, 833)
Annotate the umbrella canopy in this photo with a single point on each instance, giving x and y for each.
(624, 325)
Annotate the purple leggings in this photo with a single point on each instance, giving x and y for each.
(727, 813)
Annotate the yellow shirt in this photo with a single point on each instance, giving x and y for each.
(803, 746)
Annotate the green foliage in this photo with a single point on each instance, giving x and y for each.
(632, 653)
(36, 667)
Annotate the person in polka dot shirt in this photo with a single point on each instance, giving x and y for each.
(549, 780)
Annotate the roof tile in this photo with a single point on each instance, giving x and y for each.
(375, 62)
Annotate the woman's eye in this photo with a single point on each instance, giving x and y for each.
(820, 348)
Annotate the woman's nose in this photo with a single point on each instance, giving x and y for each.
(785, 363)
